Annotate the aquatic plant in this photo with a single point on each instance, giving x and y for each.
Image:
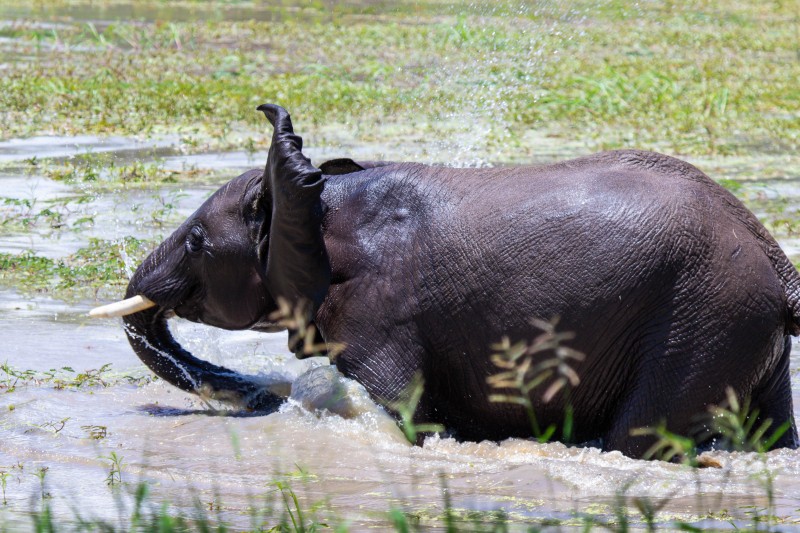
(303, 336)
(41, 474)
(3, 483)
(96, 432)
(669, 446)
(55, 426)
(114, 477)
(67, 378)
(96, 269)
(406, 408)
(300, 523)
(24, 213)
(735, 423)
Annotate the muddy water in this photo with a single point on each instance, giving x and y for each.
(353, 468)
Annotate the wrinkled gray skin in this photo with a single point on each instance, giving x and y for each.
(674, 290)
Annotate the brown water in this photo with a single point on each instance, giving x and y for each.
(355, 468)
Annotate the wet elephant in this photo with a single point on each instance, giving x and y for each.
(673, 289)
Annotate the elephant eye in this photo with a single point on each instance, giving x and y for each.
(195, 240)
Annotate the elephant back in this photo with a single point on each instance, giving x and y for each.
(786, 271)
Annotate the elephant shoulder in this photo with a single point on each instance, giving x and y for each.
(374, 215)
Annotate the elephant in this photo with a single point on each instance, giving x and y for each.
(674, 292)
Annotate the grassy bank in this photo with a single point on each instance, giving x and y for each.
(691, 77)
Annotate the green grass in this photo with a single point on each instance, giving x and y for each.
(96, 270)
(101, 173)
(704, 77)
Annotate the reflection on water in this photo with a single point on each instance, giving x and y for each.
(361, 465)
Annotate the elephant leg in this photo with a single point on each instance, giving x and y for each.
(669, 389)
(682, 405)
(774, 401)
(637, 412)
(393, 375)
(648, 408)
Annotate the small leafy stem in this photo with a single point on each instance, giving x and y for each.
(523, 369)
(301, 523)
(733, 423)
(41, 474)
(406, 408)
(302, 332)
(3, 482)
(55, 427)
(115, 471)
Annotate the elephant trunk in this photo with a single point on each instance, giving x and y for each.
(152, 341)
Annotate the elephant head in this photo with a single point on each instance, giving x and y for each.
(225, 267)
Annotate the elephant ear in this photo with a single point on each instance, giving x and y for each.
(288, 170)
(336, 167)
(294, 257)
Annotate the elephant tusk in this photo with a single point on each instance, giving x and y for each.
(122, 308)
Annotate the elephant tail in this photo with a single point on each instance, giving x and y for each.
(786, 271)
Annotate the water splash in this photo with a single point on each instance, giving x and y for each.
(482, 121)
(128, 262)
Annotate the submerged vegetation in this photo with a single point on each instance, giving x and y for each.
(99, 269)
(66, 378)
(100, 172)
